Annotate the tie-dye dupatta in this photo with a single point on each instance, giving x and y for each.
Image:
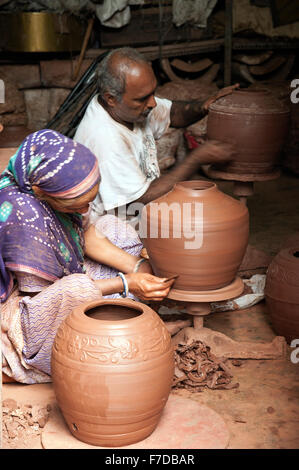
(33, 237)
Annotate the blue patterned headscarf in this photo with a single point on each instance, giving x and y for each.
(34, 238)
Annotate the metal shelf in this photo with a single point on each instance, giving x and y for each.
(257, 44)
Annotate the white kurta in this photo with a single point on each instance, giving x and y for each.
(127, 159)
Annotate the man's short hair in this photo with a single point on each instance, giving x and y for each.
(112, 79)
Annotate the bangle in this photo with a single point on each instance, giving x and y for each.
(139, 262)
(125, 283)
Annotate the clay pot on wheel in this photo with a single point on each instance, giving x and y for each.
(256, 123)
(197, 232)
(282, 292)
(112, 370)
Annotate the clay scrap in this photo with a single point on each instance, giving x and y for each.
(196, 367)
(21, 422)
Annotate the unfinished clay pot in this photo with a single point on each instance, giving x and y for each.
(279, 88)
(256, 123)
(197, 232)
(112, 370)
(282, 292)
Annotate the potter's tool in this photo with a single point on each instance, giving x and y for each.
(175, 276)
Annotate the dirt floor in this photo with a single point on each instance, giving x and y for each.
(263, 412)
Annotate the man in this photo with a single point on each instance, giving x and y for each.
(121, 124)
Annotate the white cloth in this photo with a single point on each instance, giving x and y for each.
(115, 13)
(127, 159)
(192, 11)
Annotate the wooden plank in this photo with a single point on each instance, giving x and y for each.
(228, 42)
(169, 50)
(253, 59)
(268, 43)
(197, 66)
(284, 71)
(210, 75)
(169, 72)
(242, 71)
(267, 67)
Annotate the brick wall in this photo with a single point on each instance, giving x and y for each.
(34, 92)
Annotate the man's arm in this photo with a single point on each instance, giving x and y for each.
(184, 113)
(209, 152)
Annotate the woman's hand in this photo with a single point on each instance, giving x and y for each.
(148, 287)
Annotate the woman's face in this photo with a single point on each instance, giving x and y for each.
(79, 204)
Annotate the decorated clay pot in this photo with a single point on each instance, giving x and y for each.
(112, 370)
(197, 232)
(282, 292)
(256, 123)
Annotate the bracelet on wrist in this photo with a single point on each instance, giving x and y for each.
(125, 284)
(137, 265)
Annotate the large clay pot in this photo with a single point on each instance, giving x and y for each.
(207, 236)
(256, 123)
(281, 89)
(112, 370)
(282, 292)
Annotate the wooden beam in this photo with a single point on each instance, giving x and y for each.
(169, 50)
(228, 42)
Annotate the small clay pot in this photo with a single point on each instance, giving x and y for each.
(197, 232)
(256, 122)
(112, 370)
(282, 292)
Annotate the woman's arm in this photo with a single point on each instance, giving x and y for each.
(100, 249)
(142, 283)
(144, 286)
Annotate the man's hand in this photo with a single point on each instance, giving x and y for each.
(213, 151)
(223, 92)
(148, 287)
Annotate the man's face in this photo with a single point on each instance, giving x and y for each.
(138, 99)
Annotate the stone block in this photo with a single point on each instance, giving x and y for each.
(25, 75)
(13, 119)
(58, 73)
(42, 104)
(13, 97)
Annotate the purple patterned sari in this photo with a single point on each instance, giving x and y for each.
(34, 238)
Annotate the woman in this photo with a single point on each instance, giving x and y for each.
(45, 260)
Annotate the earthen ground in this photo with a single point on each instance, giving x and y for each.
(263, 412)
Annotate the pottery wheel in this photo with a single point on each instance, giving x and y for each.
(213, 173)
(198, 306)
(185, 424)
(228, 292)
